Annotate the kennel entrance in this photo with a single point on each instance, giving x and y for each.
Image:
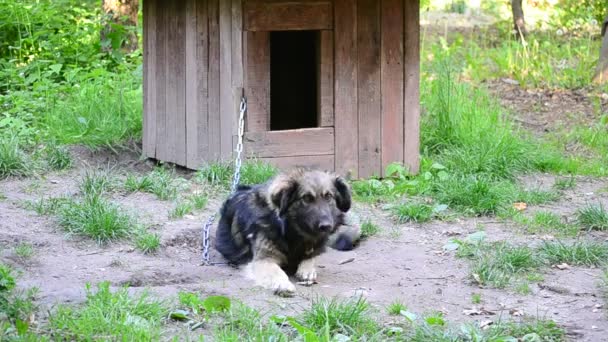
(288, 65)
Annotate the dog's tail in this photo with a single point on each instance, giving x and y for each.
(346, 237)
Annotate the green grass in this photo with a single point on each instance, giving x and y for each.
(476, 298)
(16, 307)
(48, 206)
(351, 318)
(96, 218)
(161, 182)
(13, 160)
(181, 209)
(499, 266)
(24, 250)
(256, 172)
(57, 157)
(220, 174)
(96, 182)
(369, 229)
(577, 253)
(147, 243)
(565, 183)
(546, 222)
(111, 315)
(592, 217)
(412, 212)
(395, 308)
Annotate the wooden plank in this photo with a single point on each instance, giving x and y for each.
(192, 97)
(411, 91)
(368, 83)
(321, 162)
(149, 82)
(237, 43)
(392, 81)
(214, 81)
(160, 74)
(326, 79)
(258, 81)
(202, 93)
(227, 115)
(281, 16)
(346, 123)
(308, 141)
(175, 119)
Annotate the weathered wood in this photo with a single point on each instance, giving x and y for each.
(258, 81)
(160, 74)
(214, 127)
(411, 91)
(345, 118)
(227, 115)
(368, 82)
(192, 96)
(291, 15)
(326, 79)
(392, 81)
(322, 162)
(149, 82)
(176, 100)
(237, 43)
(296, 142)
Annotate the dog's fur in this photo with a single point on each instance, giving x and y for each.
(278, 228)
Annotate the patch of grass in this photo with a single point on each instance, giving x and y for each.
(523, 288)
(369, 229)
(546, 221)
(199, 200)
(24, 250)
(577, 253)
(16, 307)
(474, 195)
(565, 183)
(246, 324)
(96, 218)
(160, 182)
(351, 318)
(113, 315)
(537, 196)
(592, 217)
(181, 209)
(217, 174)
(476, 298)
(412, 212)
(13, 160)
(96, 182)
(147, 243)
(395, 308)
(57, 157)
(256, 172)
(48, 206)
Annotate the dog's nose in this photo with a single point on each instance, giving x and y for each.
(325, 226)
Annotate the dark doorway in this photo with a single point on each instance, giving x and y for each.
(293, 79)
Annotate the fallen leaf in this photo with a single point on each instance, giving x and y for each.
(562, 266)
(477, 311)
(521, 206)
(485, 324)
(516, 312)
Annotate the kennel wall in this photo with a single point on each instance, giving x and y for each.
(329, 84)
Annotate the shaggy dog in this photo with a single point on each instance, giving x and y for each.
(278, 228)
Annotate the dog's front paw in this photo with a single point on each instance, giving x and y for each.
(307, 273)
(284, 289)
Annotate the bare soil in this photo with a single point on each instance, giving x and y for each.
(404, 262)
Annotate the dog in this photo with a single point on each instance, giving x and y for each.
(278, 228)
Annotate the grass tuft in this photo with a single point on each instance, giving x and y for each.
(395, 308)
(95, 183)
(577, 253)
(351, 318)
(412, 212)
(369, 229)
(13, 160)
(24, 250)
(96, 218)
(111, 315)
(147, 243)
(592, 217)
(57, 157)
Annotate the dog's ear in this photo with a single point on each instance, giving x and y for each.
(343, 194)
(283, 195)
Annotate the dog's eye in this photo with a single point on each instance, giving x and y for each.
(308, 198)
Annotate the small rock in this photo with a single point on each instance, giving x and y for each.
(593, 327)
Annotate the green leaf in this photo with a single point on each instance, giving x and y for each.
(180, 315)
(435, 320)
(22, 327)
(409, 315)
(476, 237)
(56, 68)
(216, 303)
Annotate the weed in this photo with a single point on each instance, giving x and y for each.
(256, 172)
(96, 183)
(13, 160)
(537, 196)
(114, 315)
(476, 298)
(369, 229)
(48, 206)
(577, 253)
(16, 307)
(159, 182)
(218, 174)
(147, 242)
(523, 288)
(350, 318)
(57, 157)
(24, 250)
(198, 200)
(133, 183)
(395, 308)
(565, 183)
(474, 195)
(95, 218)
(181, 209)
(412, 212)
(546, 221)
(592, 217)
(246, 324)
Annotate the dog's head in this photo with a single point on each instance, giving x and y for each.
(313, 200)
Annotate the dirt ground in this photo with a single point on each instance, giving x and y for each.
(405, 262)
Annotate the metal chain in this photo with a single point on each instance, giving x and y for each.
(235, 179)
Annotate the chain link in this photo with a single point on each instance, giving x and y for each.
(235, 179)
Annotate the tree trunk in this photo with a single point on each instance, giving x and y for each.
(519, 24)
(601, 71)
(119, 31)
